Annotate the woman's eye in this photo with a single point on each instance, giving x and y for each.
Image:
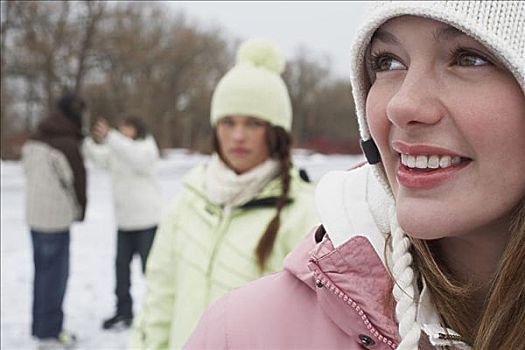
(254, 123)
(469, 59)
(385, 62)
(226, 122)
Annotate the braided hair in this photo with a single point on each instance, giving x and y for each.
(279, 143)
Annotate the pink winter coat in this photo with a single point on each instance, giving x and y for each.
(325, 298)
(335, 291)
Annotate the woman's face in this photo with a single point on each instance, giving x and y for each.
(128, 130)
(242, 140)
(449, 122)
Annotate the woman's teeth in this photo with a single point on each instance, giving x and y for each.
(428, 161)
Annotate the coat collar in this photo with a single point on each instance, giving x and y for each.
(57, 125)
(194, 181)
(352, 258)
(352, 272)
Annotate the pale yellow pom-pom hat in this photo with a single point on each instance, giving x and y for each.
(254, 87)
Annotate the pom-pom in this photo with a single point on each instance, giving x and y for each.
(261, 53)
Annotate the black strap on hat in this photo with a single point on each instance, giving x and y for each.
(370, 150)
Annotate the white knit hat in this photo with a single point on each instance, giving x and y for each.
(254, 87)
(498, 25)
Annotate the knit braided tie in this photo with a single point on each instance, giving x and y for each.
(403, 290)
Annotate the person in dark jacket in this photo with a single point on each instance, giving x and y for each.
(56, 197)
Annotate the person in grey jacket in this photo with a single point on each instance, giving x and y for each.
(55, 198)
(130, 155)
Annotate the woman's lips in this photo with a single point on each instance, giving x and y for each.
(427, 178)
(402, 147)
(239, 151)
(424, 166)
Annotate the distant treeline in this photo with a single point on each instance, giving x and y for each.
(141, 58)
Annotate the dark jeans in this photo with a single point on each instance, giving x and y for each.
(51, 259)
(129, 243)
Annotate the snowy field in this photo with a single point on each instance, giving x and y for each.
(89, 296)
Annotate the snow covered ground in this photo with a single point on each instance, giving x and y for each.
(89, 297)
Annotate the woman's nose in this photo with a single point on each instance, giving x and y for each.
(416, 102)
(239, 132)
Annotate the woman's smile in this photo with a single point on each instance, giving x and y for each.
(424, 166)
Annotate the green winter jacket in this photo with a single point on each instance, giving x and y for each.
(202, 251)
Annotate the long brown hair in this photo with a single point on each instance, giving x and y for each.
(279, 143)
(501, 323)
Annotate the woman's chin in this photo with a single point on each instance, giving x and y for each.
(421, 224)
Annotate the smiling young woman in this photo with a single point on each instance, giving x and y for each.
(447, 118)
(445, 105)
(439, 88)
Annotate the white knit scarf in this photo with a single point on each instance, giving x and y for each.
(224, 187)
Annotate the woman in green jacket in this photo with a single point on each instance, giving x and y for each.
(239, 214)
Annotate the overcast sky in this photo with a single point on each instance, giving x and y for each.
(326, 28)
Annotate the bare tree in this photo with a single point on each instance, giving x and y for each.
(44, 53)
(95, 11)
(305, 77)
(5, 99)
(158, 68)
(134, 58)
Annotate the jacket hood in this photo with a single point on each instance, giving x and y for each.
(349, 258)
(351, 284)
(348, 255)
(57, 125)
(352, 203)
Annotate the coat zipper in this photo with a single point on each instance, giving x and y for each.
(450, 337)
(221, 232)
(339, 293)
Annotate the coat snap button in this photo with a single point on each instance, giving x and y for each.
(366, 340)
(319, 283)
